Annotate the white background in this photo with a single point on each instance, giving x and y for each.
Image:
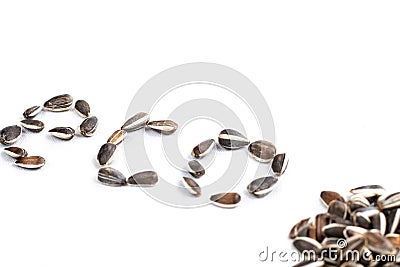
(328, 70)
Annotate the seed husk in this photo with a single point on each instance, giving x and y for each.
(32, 112)
(117, 137)
(307, 244)
(389, 201)
(321, 220)
(294, 231)
(378, 222)
(59, 103)
(136, 122)
(89, 126)
(191, 186)
(63, 133)
(35, 126)
(31, 162)
(357, 201)
(10, 134)
(338, 208)
(144, 178)
(111, 177)
(82, 108)
(106, 153)
(328, 196)
(262, 151)
(378, 244)
(334, 230)
(354, 243)
(262, 186)
(203, 148)
(164, 126)
(310, 263)
(393, 221)
(232, 139)
(226, 200)
(196, 169)
(394, 239)
(369, 191)
(279, 164)
(15, 152)
(351, 231)
(361, 220)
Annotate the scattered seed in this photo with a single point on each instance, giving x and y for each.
(111, 177)
(64, 133)
(164, 127)
(203, 148)
(106, 153)
(196, 169)
(307, 244)
(136, 122)
(15, 152)
(117, 137)
(369, 190)
(294, 231)
(10, 134)
(261, 187)
(89, 126)
(82, 108)
(279, 164)
(328, 196)
(191, 186)
(32, 112)
(145, 178)
(389, 201)
(232, 139)
(262, 151)
(226, 200)
(59, 103)
(35, 126)
(32, 162)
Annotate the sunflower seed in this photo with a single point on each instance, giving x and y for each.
(191, 186)
(10, 134)
(338, 208)
(321, 220)
(279, 164)
(368, 190)
(15, 152)
(378, 222)
(310, 263)
(64, 133)
(111, 177)
(232, 139)
(136, 122)
(328, 196)
(32, 112)
(82, 108)
(389, 201)
(203, 148)
(32, 162)
(145, 178)
(196, 169)
(106, 153)
(306, 230)
(354, 243)
(307, 244)
(117, 137)
(294, 231)
(393, 221)
(226, 200)
(262, 186)
(334, 230)
(35, 126)
(351, 231)
(59, 103)
(361, 220)
(89, 126)
(351, 264)
(394, 239)
(164, 127)
(357, 201)
(262, 151)
(330, 242)
(378, 244)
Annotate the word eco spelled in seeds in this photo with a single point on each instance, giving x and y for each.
(61, 103)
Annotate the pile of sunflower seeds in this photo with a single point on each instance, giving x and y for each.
(230, 139)
(362, 231)
(11, 134)
(112, 177)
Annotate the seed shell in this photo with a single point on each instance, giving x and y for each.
(262, 151)
(294, 231)
(378, 244)
(232, 139)
(394, 239)
(111, 177)
(34, 126)
(262, 186)
(164, 127)
(136, 122)
(329, 196)
(32, 112)
(117, 137)
(307, 244)
(10, 134)
(389, 201)
(31, 162)
(338, 208)
(82, 108)
(191, 186)
(106, 154)
(203, 148)
(63, 133)
(144, 178)
(226, 200)
(196, 169)
(310, 263)
(369, 190)
(279, 164)
(59, 103)
(15, 152)
(89, 126)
